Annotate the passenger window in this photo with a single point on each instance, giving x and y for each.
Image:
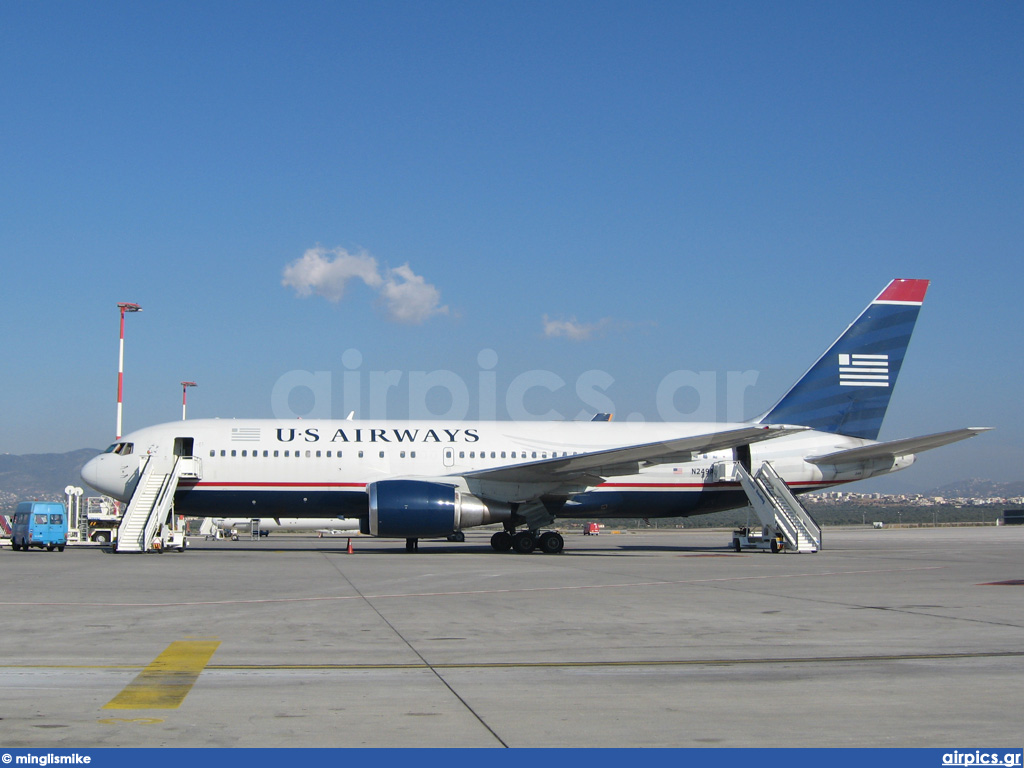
(276, 454)
(212, 454)
(318, 454)
(401, 455)
(360, 454)
(382, 454)
(244, 454)
(233, 454)
(223, 453)
(413, 454)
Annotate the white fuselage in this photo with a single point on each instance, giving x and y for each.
(272, 468)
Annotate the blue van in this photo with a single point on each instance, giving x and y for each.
(39, 524)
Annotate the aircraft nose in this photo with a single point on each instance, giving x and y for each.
(92, 474)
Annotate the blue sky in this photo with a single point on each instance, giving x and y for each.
(450, 188)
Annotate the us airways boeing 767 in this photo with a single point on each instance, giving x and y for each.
(417, 479)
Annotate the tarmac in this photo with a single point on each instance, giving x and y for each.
(885, 638)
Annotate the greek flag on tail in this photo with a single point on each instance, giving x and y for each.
(847, 390)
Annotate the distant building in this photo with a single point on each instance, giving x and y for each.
(1013, 517)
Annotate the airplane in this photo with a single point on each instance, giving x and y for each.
(431, 478)
(266, 526)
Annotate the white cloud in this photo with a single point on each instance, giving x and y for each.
(316, 272)
(407, 297)
(572, 329)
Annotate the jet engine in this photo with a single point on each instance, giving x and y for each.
(405, 509)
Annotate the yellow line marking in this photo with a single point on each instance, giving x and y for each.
(165, 683)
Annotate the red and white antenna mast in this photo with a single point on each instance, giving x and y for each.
(124, 307)
(184, 391)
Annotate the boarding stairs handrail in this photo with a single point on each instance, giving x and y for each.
(150, 503)
(808, 532)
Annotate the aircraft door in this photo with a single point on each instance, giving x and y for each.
(742, 455)
(183, 446)
(449, 457)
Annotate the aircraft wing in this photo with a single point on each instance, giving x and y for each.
(895, 448)
(591, 468)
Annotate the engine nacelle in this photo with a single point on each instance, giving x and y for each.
(407, 509)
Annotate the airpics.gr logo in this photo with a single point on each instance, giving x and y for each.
(864, 370)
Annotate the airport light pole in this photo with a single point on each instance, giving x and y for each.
(184, 390)
(124, 307)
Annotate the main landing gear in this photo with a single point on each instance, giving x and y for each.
(525, 542)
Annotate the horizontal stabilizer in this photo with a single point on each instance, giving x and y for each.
(895, 448)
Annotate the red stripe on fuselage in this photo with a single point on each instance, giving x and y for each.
(273, 485)
(211, 485)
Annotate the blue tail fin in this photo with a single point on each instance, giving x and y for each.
(848, 389)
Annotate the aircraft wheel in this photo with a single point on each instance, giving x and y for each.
(736, 545)
(411, 545)
(551, 543)
(775, 546)
(501, 541)
(524, 542)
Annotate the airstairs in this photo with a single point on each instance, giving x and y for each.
(779, 510)
(150, 509)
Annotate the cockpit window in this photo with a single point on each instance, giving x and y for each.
(121, 449)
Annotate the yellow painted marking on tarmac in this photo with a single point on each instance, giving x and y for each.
(165, 683)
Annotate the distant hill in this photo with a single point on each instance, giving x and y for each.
(978, 488)
(40, 475)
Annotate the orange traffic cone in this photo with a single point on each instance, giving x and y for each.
(349, 550)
